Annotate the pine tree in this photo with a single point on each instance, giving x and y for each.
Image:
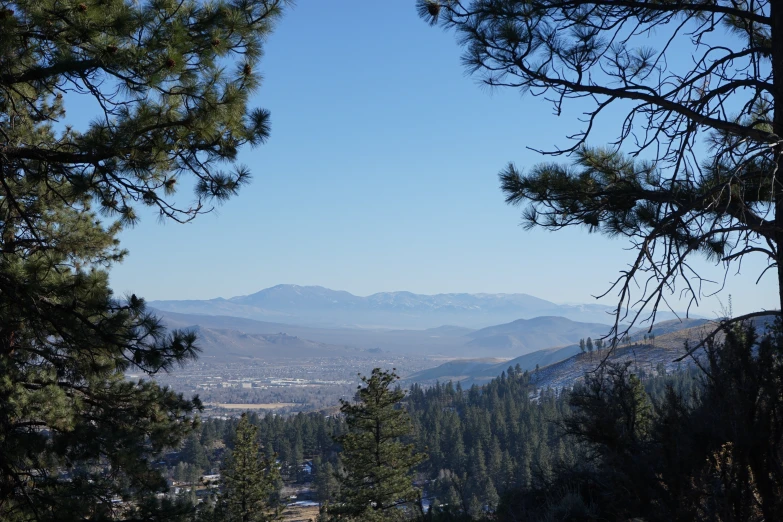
(170, 82)
(692, 169)
(613, 407)
(377, 483)
(326, 483)
(495, 462)
(297, 457)
(249, 479)
(193, 453)
(75, 433)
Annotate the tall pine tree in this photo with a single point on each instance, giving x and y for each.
(250, 479)
(170, 83)
(377, 479)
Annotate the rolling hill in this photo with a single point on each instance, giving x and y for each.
(438, 341)
(527, 335)
(507, 340)
(559, 365)
(231, 345)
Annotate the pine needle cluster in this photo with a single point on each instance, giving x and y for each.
(170, 84)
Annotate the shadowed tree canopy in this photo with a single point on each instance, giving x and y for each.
(169, 82)
(713, 454)
(698, 87)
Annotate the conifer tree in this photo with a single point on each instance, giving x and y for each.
(377, 483)
(326, 483)
(250, 479)
(193, 453)
(612, 402)
(170, 83)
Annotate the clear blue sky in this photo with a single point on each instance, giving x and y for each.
(380, 175)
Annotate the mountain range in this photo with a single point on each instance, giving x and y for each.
(470, 331)
(319, 306)
(228, 337)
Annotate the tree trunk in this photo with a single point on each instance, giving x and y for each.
(776, 15)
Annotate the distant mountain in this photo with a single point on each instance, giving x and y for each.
(448, 329)
(527, 335)
(223, 322)
(480, 371)
(227, 345)
(294, 297)
(318, 306)
(668, 345)
(671, 326)
(644, 356)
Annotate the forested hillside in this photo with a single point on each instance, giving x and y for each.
(484, 444)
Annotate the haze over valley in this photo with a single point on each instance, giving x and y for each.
(303, 346)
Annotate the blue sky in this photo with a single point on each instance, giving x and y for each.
(381, 175)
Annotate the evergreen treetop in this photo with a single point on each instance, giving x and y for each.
(170, 83)
(376, 483)
(250, 479)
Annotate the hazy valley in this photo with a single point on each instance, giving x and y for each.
(312, 365)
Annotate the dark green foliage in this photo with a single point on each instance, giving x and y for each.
(614, 413)
(250, 480)
(487, 441)
(711, 452)
(326, 484)
(170, 83)
(193, 453)
(685, 445)
(172, 80)
(612, 406)
(74, 433)
(376, 479)
(505, 446)
(738, 427)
